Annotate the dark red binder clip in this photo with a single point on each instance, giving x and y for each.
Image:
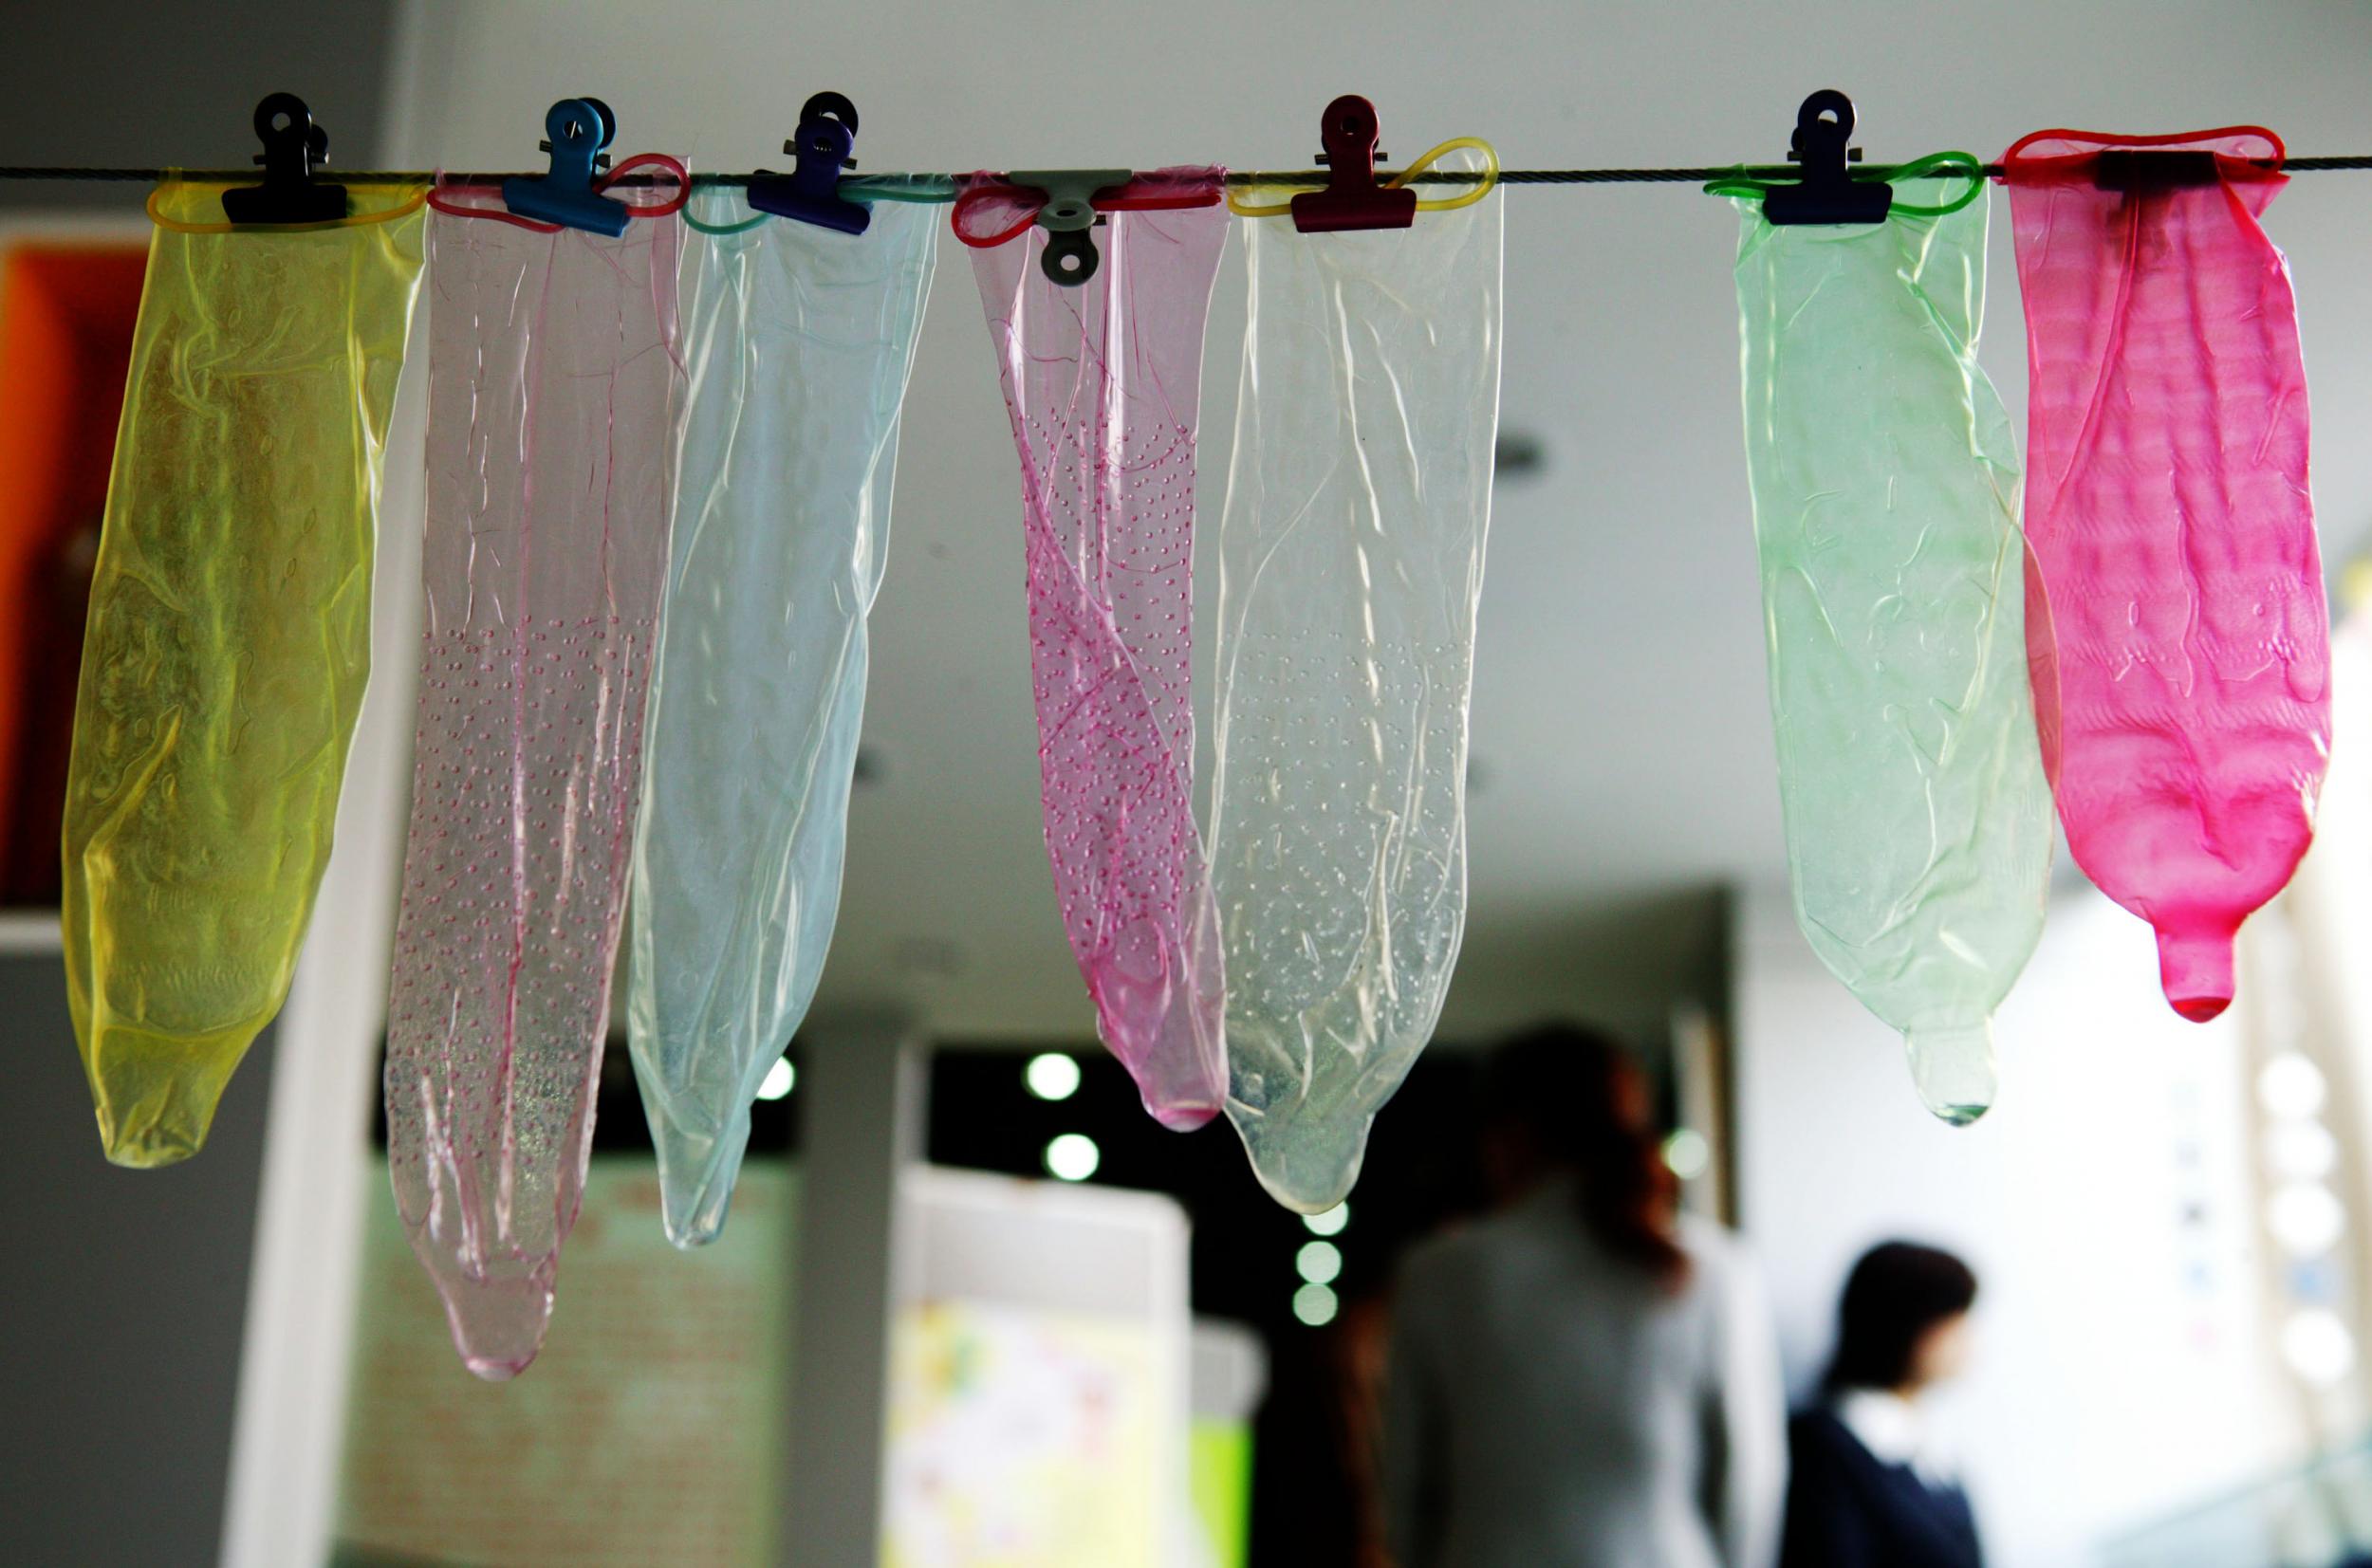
(1352, 199)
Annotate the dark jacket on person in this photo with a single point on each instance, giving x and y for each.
(1847, 1508)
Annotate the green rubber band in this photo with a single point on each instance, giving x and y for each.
(1943, 166)
(742, 228)
(898, 188)
(1743, 186)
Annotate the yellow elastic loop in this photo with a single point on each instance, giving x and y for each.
(1441, 204)
(1243, 209)
(353, 220)
(1450, 204)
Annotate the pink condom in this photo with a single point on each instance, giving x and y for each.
(553, 384)
(2176, 627)
(1102, 380)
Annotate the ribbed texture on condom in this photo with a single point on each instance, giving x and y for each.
(227, 647)
(1351, 554)
(1103, 383)
(553, 385)
(2175, 619)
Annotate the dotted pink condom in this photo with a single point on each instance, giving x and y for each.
(1102, 380)
(552, 386)
(2175, 624)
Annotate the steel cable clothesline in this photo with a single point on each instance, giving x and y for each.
(70, 173)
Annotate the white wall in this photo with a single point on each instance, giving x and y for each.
(2103, 1203)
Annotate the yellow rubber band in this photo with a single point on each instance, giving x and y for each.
(353, 220)
(1482, 188)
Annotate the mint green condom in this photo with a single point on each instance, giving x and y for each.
(1887, 500)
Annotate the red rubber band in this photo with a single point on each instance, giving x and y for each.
(646, 160)
(972, 195)
(1121, 201)
(500, 214)
(2233, 163)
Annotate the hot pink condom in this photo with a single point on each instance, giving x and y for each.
(2175, 623)
(1102, 379)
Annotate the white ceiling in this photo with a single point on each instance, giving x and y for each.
(1620, 733)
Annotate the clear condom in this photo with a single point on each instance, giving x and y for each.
(228, 643)
(553, 383)
(2175, 620)
(1351, 553)
(1885, 489)
(799, 341)
(1102, 380)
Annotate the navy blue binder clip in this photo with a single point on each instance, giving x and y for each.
(292, 145)
(810, 193)
(1826, 193)
(577, 130)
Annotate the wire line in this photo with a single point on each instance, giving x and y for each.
(73, 173)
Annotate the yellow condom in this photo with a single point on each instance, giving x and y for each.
(228, 642)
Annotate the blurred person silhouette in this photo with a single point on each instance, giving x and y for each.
(1869, 1485)
(1585, 1376)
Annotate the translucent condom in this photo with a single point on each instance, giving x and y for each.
(228, 642)
(798, 340)
(1351, 554)
(2175, 624)
(1102, 380)
(553, 381)
(1885, 486)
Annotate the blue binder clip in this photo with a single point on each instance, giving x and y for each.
(293, 145)
(576, 131)
(810, 193)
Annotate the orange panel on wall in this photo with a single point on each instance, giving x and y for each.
(67, 314)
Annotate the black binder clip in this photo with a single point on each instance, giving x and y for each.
(2134, 171)
(576, 130)
(292, 146)
(1352, 199)
(810, 193)
(1826, 194)
(1070, 257)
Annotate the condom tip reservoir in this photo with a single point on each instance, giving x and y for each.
(1953, 1069)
